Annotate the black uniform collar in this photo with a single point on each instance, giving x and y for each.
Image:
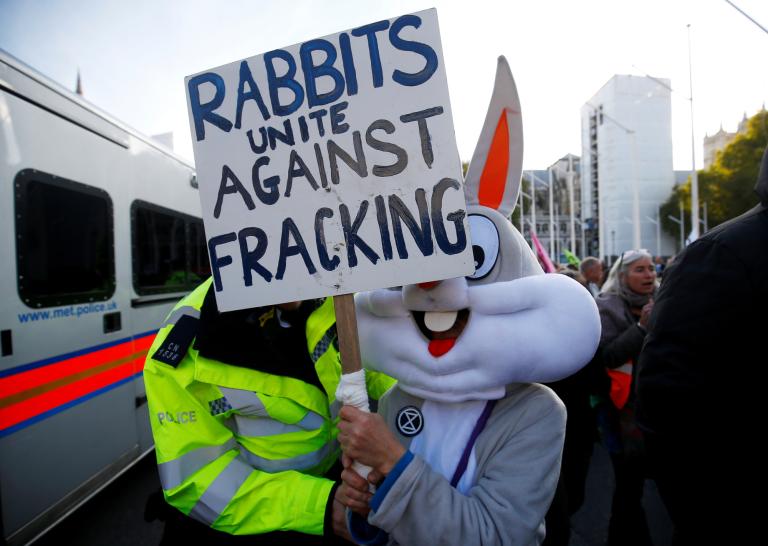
(253, 338)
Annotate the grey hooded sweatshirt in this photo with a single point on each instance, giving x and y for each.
(518, 464)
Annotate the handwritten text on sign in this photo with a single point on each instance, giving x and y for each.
(330, 166)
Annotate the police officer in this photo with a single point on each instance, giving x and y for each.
(244, 416)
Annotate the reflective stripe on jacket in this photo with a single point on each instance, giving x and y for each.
(242, 450)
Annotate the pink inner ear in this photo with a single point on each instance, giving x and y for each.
(494, 177)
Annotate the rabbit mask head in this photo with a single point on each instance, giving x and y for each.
(467, 338)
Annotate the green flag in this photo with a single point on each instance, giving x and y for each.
(572, 258)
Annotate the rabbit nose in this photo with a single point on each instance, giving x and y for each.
(445, 295)
(428, 285)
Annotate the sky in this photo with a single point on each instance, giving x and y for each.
(133, 56)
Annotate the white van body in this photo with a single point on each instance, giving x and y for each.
(73, 412)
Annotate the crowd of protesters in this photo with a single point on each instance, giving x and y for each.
(672, 393)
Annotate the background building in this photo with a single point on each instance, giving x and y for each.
(566, 177)
(721, 139)
(524, 207)
(565, 174)
(626, 168)
(715, 143)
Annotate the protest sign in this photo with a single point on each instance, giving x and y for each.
(330, 166)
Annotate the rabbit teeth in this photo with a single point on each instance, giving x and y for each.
(441, 325)
(440, 322)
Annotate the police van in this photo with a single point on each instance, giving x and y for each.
(101, 234)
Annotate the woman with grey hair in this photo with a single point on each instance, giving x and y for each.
(625, 303)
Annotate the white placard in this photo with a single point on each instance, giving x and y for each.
(330, 166)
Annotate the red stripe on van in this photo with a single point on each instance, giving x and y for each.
(40, 404)
(40, 376)
(31, 393)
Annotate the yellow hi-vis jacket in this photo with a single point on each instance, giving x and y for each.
(238, 449)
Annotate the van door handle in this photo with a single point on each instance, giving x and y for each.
(112, 322)
(6, 343)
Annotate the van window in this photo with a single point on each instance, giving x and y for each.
(199, 266)
(169, 253)
(64, 241)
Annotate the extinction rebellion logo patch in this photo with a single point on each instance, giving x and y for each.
(410, 421)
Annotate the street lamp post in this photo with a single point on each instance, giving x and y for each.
(551, 219)
(681, 222)
(635, 194)
(694, 174)
(532, 228)
(551, 215)
(522, 210)
(682, 226)
(572, 212)
(657, 222)
(572, 218)
(533, 207)
(559, 240)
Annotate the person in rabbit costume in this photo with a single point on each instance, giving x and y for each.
(466, 447)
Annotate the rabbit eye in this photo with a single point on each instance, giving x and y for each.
(479, 256)
(485, 245)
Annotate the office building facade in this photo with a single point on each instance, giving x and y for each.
(626, 167)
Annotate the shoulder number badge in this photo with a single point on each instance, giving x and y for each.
(410, 421)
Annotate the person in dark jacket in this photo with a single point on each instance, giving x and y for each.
(580, 436)
(700, 377)
(625, 303)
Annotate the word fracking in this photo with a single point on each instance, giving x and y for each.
(430, 228)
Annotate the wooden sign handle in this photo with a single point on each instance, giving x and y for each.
(346, 328)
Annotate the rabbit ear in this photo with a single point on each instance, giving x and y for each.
(493, 177)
